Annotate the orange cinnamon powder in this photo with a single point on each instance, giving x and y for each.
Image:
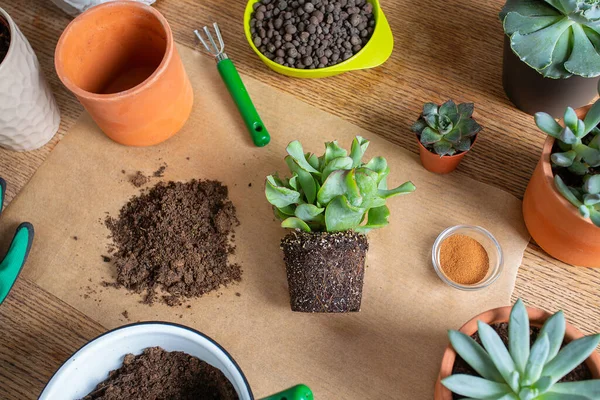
(463, 259)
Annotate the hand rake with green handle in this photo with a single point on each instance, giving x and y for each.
(237, 90)
(298, 392)
(11, 265)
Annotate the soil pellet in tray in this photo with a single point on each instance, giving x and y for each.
(580, 373)
(157, 374)
(464, 260)
(309, 34)
(174, 239)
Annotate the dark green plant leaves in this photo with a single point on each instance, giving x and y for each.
(280, 196)
(547, 124)
(295, 150)
(444, 148)
(309, 212)
(340, 215)
(378, 217)
(295, 223)
(359, 147)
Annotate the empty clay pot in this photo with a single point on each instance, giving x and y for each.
(29, 115)
(499, 315)
(440, 165)
(531, 92)
(120, 60)
(553, 222)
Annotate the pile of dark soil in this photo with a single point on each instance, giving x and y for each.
(580, 373)
(310, 34)
(174, 238)
(325, 271)
(4, 39)
(157, 374)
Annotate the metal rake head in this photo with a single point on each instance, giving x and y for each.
(211, 46)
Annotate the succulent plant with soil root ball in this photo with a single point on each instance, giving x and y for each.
(558, 38)
(334, 192)
(448, 129)
(576, 158)
(523, 371)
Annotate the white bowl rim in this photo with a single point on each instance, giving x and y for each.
(163, 323)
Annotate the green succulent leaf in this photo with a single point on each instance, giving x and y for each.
(444, 148)
(333, 151)
(589, 389)
(445, 125)
(570, 356)
(561, 396)
(537, 359)
(466, 110)
(468, 127)
(518, 335)
(432, 120)
(595, 217)
(334, 185)
(358, 150)
(578, 168)
(280, 196)
(498, 353)
(592, 118)
(309, 212)
(475, 387)
(591, 199)
(295, 150)
(464, 144)
(377, 217)
(429, 136)
(564, 159)
(418, 126)
(430, 108)
(543, 384)
(306, 180)
(584, 60)
(450, 110)
(341, 163)
(566, 192)
(584, 211)
(548, 124)
(528, 393)
(406, 187)
(366, 184)
(571, 119)
(453, 136)
(567, 136)
(525, 25)
(295, 223)
(554, 329)
(474, 355)
(592, 184)
(313, 160)
(353, 193)
(340, 215)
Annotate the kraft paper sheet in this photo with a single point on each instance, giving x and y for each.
(391, 349)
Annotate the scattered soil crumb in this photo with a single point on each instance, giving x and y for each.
(159, 173)
(158, 374)
(75, 238)
(172, 241)
(250, 184)
(125, 314)
(138, 179)
(187, 158)
(238, 294)
(106, 259)
(122, 171)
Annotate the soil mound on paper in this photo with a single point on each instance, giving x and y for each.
(174, 240)
(158, 374)
(580, 373)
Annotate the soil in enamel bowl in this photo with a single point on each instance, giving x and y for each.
(4, 39)
(580, 373)
(158, 374)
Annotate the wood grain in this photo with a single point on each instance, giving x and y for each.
(450, 49)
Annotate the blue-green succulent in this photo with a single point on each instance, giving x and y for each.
(334, 192)
(558, 38)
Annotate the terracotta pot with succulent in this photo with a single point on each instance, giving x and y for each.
(519, 354)
(561, 206)
(551, 53)
(445, 134)
(331, 202)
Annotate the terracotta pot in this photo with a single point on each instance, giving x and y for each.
(498, 315)
(553, 222)
(440, 165)
(29, 116)
(531, 92)
(120, 60)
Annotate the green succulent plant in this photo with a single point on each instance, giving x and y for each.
(333, 192)
(523, 371)
(447, 129)
(578, 158)
(558, 38)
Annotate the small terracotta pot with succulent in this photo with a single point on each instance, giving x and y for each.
(561, 206)
(330, 202)
(519, 354)
(445, 134)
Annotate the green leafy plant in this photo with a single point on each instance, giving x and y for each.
(333, 192)
(447, 129)
(576, 157)
(558, 38)
(523, 372)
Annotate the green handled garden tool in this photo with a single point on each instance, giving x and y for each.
(298, 392)
(237, 90)
(11, 265)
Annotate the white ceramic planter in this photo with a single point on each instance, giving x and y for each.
(76, 7)
(89, 366)
(29, 116)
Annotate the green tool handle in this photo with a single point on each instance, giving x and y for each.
(298, 392)
(237, 90)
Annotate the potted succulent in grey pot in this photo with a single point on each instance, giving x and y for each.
(330, 202)
(551, 53)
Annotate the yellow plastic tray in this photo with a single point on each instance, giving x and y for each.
(376, 51)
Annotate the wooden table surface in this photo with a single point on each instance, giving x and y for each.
(450, 49)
